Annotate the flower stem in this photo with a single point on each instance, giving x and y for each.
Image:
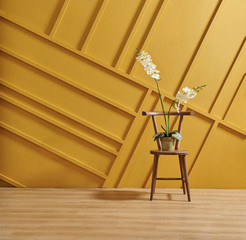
(169, 113)
(162, 105)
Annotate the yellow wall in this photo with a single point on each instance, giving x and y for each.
(73, 93)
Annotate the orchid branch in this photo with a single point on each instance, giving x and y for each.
(145, 59)
(162, 105)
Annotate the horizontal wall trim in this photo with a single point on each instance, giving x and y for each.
(53, 150)
(58, 124)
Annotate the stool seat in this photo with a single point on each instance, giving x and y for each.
(174, 152)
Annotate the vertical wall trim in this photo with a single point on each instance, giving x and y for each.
(144, 9)
(152, 31)
(94, 25)
(59, 18)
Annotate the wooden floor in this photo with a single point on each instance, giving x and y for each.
(78, 213)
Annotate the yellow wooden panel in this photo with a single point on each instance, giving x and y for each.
(73, 68)
(67, 98)
(113, 28)
(38, 14)
(137, 158)
(56, 138)
(233, 81)
(76, 22)
(175, 40)
(36, 167)
(128, 59)
(141, 160)
(218, 50)
(60, 120)
(73, 92)
(236, 115)
(4, 184)
(222, 162)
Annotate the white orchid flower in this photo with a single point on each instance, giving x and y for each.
(145, 59)
(184, 97)
(177, 106)
(156, 76)
(189, 92)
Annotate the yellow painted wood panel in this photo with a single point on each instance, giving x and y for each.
(149, 13)
(70, 68)
(235, 115)
(66, 97)
(222, 161)
(73, 93)
(231, 85)
(32, 106)
(175, 40)
(38, 14)
(218, 50)
(108, 39)
(56, 138)
(36, 167)
(76, 22)
(4, 184)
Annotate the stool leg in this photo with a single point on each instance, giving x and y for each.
(156, 168)
(154, 173)
(182, 173)
(186, 177)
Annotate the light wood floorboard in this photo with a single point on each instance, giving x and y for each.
(85, 213)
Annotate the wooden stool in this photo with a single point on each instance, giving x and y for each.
(180, 153)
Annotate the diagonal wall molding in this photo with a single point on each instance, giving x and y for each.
(52, 150)
(96, 123)
(11, 181)
(57, 123)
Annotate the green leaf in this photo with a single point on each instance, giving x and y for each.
(174, 131)
(163, 129)
(158, 135)
(177, 136)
